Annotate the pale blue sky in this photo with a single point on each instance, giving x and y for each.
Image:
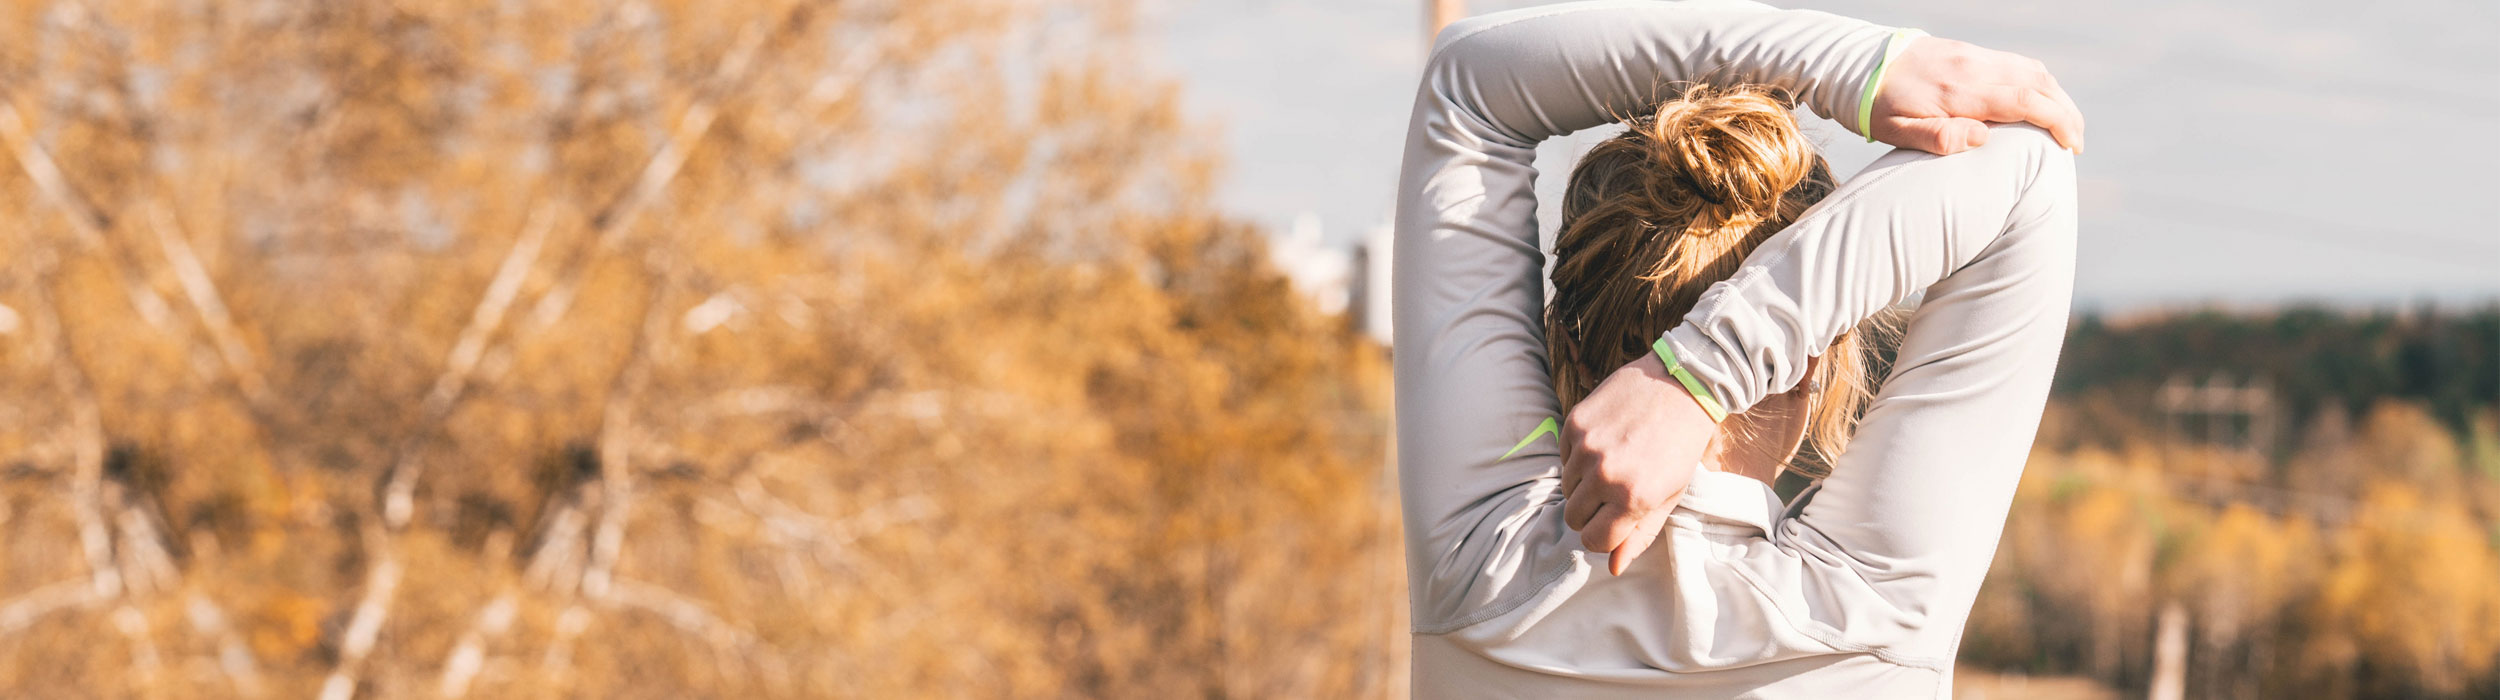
(2244, 152)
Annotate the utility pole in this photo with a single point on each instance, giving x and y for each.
(2170, 654)
(1438, 14)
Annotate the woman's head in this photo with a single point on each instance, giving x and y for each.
(1656, 215)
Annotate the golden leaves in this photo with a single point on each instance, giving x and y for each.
(860, 350)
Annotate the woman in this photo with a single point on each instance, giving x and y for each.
(1860, 586)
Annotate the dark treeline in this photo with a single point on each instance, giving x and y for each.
(2311, 360)
(2449, 361)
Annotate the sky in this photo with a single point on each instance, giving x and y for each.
(2243, 153)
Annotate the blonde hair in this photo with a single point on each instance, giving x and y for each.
(1655, 216)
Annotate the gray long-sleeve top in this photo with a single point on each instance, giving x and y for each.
(1858, 589)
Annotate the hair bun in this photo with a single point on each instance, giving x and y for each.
(1738, 150)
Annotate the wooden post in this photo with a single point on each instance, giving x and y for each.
(2170, 654)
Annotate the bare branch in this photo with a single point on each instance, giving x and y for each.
(134, 626)
(201, 290)
(365, 625)
(400, 483)
(607, 224)
(683, 613)
(616, 439)
(616, 218)
(95, 535)
(569, 625)
(145, 564)
(755, 401)
(557, 560)
(91, 221)
(491, 308)
(20, 612)
(620, 213)
(233, 657)
(831, 538)
(469, 655)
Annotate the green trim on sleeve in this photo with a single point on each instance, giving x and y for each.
(1549, 426)
(1893, 46)
(1709, 404)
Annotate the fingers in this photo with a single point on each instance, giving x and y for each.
(2068, 128)
(1620, 528)
(1580, 506)
(2028, 94)
(1617, 527)
(1633, 546)
(2010, 105)
(2073, 113)
(1626, 531)
(1572, 472)
(1644, 535)
(2067, 125)
(2004, 104)
(2037, 106)
(1938, 135)
(1570, 483)
(1938, 79)
(1598, 536)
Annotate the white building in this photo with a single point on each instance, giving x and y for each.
(1341, 278)
(1321, 272)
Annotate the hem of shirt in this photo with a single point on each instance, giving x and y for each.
(1818, 632)
(1943, 672)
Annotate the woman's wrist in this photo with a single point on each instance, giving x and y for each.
(1899, 42)
(1693, 386)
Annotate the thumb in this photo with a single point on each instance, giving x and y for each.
(1632, 548)
(1938, 135)
(1651, 527)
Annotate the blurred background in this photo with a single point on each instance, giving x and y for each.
(1036, 348)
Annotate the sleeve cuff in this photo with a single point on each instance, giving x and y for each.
(1709, 365)
(1893, 46)
(1701, 394)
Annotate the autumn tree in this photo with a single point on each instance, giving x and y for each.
(658, 349)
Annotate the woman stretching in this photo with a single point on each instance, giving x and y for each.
(1698, 275)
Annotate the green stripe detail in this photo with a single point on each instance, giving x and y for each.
(1549, 426)
(1893, 46)
(1709, 403)
(1666, 354)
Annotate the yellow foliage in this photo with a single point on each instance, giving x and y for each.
(2415, 591)
(2289, 590)
(659, 349)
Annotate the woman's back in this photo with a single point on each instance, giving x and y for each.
(1752, 600)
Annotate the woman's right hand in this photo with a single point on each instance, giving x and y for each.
(1939, 95)
(1629, 449)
